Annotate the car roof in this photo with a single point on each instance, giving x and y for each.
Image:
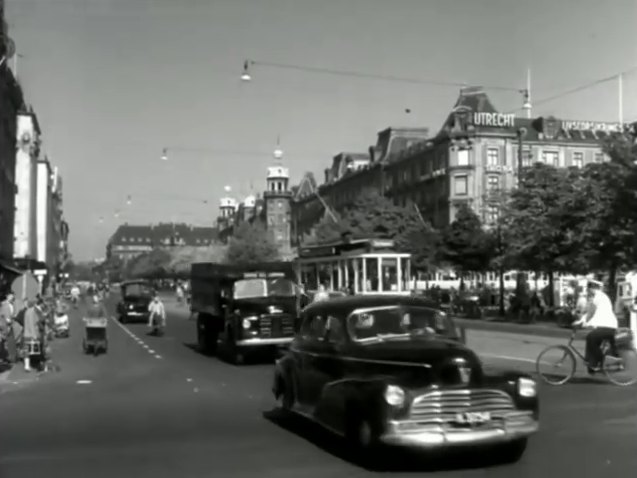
(353, 302)
(137, 281)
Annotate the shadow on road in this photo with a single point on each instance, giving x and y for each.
(390, 459)
(250, 359)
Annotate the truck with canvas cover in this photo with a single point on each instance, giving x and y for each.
(242, 309)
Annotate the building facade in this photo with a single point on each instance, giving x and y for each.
(477, 153)
(43, 211)
(26, 175)
(130, 241)
(11, 102)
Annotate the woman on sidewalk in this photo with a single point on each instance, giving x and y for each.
(31, 334)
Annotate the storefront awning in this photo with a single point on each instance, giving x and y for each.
(10, 268)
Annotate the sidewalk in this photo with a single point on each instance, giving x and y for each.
(63, 351)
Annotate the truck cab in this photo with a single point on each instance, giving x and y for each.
(245, 309)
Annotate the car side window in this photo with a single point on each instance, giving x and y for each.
(334, 330)
(313, 326)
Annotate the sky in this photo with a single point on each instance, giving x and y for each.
(113, 82)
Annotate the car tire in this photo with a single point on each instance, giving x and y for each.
(512, 452)
(122, 319)
(361, 438)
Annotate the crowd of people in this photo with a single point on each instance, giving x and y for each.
(26, 331)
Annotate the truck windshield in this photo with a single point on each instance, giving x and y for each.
(250, 288)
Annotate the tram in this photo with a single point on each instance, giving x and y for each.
(364, 266)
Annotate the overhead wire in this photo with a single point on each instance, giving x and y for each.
(372, 76)
(582, 87)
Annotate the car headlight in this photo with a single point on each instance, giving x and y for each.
(394, 395)
(247, 322)
(130, 306)
(527, 387)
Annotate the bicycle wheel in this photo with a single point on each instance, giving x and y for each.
(622, 370)
(556, 364)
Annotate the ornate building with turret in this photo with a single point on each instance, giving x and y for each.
(273, 208)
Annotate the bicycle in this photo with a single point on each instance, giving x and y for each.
(615, 358)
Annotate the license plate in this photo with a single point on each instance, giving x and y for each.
(472, 418)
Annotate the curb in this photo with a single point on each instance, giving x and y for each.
(511, 328)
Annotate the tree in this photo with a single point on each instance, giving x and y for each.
(152, 264)
(465, 244)
(373, 215)
(607, 231)
(329, 229)
(251, 243)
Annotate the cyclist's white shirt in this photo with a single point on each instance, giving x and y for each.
(604, 315)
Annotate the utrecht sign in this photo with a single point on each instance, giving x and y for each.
(494, 120)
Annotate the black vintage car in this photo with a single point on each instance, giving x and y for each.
(394, 370)
(136, 295)
(243, 309)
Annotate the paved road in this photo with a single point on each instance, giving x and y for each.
(155, 408)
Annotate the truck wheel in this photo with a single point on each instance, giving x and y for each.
(206, 339)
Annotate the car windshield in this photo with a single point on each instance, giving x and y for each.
(252, 288)
(137, 290)
(381, 323)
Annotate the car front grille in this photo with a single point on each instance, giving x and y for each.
(442, 406)
(273, 326)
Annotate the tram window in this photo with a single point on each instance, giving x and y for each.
(390, 273)
(371, 266)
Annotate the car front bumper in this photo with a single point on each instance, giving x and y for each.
(512, 427)
(265, 342)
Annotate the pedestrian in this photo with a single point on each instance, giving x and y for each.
(157, 315)
(96, 309)
(7, 314)
(31, 334)
(321, 294)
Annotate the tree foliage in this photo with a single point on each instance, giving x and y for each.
(251, 243)
(465, 243)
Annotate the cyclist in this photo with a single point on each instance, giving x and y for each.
(156, 316)
(601, 317)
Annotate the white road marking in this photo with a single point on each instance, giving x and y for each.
(151, 351)
(157, 356)
(84, 382)
(189, 380)
(136, 339)
(195, 389)
(508, 357)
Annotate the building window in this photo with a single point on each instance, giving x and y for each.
(463, 157)
(492, 214)
(599, 157)
(527, 157)
(493, 157)
(460, 185)
(578, 159)
(551, 158)
(493, 183)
